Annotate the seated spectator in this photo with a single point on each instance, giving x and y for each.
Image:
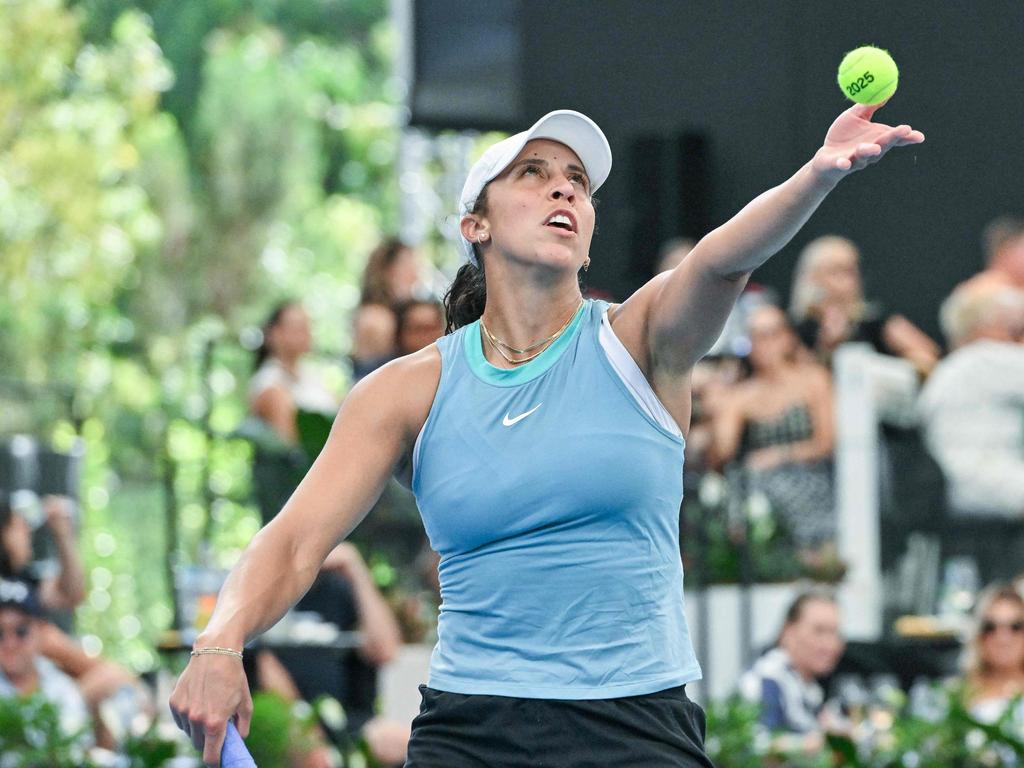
(96, 678)
(994, 674)
(65, 590)
(394, 274)
(374, 338)
(283, 381)
(23, 670)
(784, 681)
(420, 322)
(1004, 253)
(972, 405)
(778, 422)
(829, 308)
(345, 595)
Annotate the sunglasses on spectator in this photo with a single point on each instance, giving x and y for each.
(20, 632)
(990, 627)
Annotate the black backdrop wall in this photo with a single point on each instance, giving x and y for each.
(746, 91)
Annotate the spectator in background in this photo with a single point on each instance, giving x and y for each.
(784, 681)
(972, 407)
(778, 424)
(97, 679)
(420, 322)
(394, 275)
(283, 381)
(66, 590)
(994, 674)
(1003, 240)
(374, 338)
(829, 308)
(23, 670)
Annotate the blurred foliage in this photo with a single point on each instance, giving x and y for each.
(280, 729)
(31, 736)
(718, 528)
(168, 172)
(944, 735)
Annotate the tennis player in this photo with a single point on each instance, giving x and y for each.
(543, 438)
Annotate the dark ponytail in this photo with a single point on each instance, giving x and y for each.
(466, 297)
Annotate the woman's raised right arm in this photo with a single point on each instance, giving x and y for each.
(376, 426)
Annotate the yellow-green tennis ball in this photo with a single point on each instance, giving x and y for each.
(868, 75)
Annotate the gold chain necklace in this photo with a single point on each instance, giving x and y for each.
(497, 343)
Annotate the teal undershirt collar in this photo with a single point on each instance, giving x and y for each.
(502, 377)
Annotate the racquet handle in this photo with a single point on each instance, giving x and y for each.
(234, 754)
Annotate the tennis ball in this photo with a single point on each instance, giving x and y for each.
(868, 75)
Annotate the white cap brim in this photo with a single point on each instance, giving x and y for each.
(574, 129)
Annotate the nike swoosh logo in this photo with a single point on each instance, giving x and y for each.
(509, 422)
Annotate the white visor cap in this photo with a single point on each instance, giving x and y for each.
(574, 129)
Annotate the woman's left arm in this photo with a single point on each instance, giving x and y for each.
(682, 312)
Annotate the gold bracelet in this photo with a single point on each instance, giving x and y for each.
(216, 650)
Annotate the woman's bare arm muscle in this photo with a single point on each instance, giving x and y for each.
(376, 426)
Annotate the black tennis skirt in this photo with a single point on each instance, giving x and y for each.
(655, 730)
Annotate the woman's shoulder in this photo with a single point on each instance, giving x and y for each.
(406, 384)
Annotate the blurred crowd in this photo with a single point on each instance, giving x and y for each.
(763, 419)
(764, 412)
(800, 698)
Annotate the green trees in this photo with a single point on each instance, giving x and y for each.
(168, 170)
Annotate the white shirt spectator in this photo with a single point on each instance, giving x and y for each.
(58, 688)
(306, 387)
(972, 411)
(788, 702)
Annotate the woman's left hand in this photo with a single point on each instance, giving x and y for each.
(854, 142)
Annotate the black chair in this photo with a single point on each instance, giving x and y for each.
(996, 544)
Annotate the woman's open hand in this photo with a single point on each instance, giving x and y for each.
(854, 142)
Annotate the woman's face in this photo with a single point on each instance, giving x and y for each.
(837, 275)
(16, 539)
(814, 642)
(539, 210)
(771, 339)
(1001, 639)
(290, 337)
(404, 274)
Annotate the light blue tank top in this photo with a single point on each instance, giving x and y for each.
(553, 501)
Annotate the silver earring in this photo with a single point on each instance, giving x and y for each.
(483, 237)
(586, 265)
